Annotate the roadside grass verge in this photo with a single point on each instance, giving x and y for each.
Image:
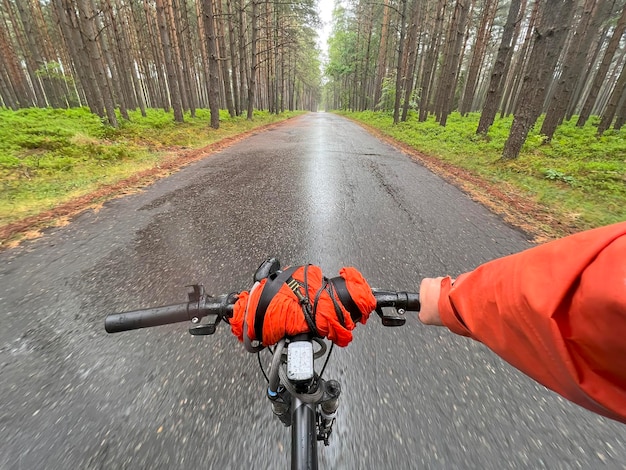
(579, 178)
(51, 156)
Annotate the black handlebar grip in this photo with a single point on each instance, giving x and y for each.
(400, 300)
(145, 318)
(411, 300)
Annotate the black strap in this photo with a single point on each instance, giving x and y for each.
(270, 289)
(303, 299)
(339, 283)
(331, 293)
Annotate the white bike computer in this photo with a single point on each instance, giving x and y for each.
(300, 361)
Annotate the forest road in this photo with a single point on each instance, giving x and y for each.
(316, 189)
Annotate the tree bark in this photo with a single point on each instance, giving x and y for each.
(243, 56)
(113, 79)
(521, 62)
(224, 60)
(92, 48)
(189, 65)
(209, 29)
(411, 59)
(168, 54)
(602, 70)
(381, 63)
(451, 60)
(17, 90)
(180, 67)
(503, 61)
(620, 117)
(253, 57)
(431, 60)
(548, 42)
(593, 14)
(234, 59)
(478, 55)
(614, 101)
(31, 64)
(399, 71)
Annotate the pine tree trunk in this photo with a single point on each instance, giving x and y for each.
(572, 65)
(431, 60)
(224, 60)
(478, 55)
(548, 42)
(113, 80)
(243, 56)
(168, 53)
(234, 59)
(620, 118)
(451, 61)
(519, 69)
(16, 85)
(411, 59)
(189, 64)
(503, 60)
(381, 63)
(90, 33)
(53, 84)
(30, 62)
(253, 57)
(209, 29)
(180, 67)
(399, 71)
(366, 84)
(614, 101)
(70, 29)
(602, 70)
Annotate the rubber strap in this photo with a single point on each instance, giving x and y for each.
(270, 289)
(331, 293)
(339, 283)
(305, 304)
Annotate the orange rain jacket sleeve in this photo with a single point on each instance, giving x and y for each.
(557, 312)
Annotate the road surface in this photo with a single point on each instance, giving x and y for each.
(316, 189)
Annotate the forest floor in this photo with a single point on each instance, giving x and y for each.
(531, 217)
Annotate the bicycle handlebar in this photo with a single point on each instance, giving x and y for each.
(201, 305)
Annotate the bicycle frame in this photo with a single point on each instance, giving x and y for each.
(303, 436)
(308, 406)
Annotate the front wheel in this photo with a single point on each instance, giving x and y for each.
(303, 436)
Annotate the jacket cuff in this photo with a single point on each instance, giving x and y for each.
(447, 312)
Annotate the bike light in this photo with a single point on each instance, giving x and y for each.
(300, 361)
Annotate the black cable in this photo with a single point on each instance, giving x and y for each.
(258, 355)
(332, 345)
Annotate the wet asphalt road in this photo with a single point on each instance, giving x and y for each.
(317, 189)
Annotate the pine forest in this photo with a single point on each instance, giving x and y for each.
(413, 59)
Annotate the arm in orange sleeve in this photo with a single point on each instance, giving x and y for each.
(557, 312)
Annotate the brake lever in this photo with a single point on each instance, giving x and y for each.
(391, 316)
(202, 330)
(197, 298)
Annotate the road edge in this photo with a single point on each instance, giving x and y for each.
(29, 228)
(533, 219)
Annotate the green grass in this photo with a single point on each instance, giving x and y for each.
(49, 156)
(578, 177)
